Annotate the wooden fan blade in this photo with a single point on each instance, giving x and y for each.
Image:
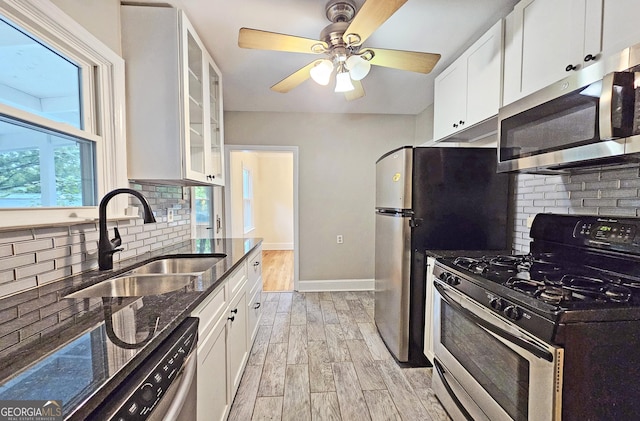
(294, 79)
(263, 40)
(371, 15)
(413, 61)
(358, 92)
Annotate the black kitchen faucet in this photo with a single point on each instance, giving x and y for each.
(107, 247)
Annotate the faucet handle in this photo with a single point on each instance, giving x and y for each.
(117, 240)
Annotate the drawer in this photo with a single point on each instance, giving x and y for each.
(236, 280)
(210, 310)
(254, 266)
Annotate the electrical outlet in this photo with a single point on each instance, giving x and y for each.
(169, 215)
(339, 239)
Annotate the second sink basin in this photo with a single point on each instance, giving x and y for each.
(135, 286)
(177, 265)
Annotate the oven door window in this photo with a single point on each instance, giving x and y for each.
(503, 373)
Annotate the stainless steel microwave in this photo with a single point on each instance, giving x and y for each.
(589, 119)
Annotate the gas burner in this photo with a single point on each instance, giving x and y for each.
(554, 295)
(597, 289)
(505, 261)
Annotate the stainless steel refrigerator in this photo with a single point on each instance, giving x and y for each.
(429, 199)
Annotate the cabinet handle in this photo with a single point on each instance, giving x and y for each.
(590, 57)
(256, 263)
(256, 306)
(232, 318)
(461, 122)
(455, 126)
(570, 67)
(234, 311)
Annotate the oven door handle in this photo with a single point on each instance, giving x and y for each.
(453, 396)
(510, 337)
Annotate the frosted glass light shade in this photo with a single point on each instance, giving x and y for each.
(343, 82)
(358, 67)
(321, 72)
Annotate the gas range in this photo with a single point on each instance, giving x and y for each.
(549, 335)
(580, 269)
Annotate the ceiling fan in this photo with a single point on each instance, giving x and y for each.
(341, 41)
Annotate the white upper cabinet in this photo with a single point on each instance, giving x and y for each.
(620, 28)
(174, 99)
(468, 91)
(546, 40)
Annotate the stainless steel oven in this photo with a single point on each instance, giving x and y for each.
(487, 368)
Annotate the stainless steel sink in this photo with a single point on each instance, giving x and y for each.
(173, 265)
(135, 286)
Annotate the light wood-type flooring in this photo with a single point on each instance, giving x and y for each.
(277, 270)
(318, 356)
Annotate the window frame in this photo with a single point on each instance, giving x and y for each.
(104, 83)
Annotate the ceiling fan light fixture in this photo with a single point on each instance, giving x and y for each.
(321, 72)
(358, 67)
(343, 82)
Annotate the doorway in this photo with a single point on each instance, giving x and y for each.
(262, 201)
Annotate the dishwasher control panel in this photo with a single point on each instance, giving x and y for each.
(142, 392)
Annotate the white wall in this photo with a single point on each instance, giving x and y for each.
(337, 155)
(100, 17)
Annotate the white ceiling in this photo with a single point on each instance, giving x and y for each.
(435, 26)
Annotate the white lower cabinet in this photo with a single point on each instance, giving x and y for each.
(237, 349)
(213, 388)
(228, 322)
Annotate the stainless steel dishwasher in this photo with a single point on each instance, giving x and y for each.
(163, 387)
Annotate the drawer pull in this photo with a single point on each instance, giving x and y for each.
(232, 318)
(256, 306)
(234, 311)
(256, 263)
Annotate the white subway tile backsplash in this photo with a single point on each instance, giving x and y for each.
(14, 262)
(45, 254)
(610, 192)
(6, 250)
(31, 246)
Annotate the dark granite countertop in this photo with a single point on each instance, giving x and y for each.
(72, 357)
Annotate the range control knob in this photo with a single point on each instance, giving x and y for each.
(147, 394)
(497, 304)
(513, 312)
(443, 276)
(454, 280)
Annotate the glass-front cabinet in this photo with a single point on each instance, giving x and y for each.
(174, 99)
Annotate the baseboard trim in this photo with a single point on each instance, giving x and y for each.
(336, 285)
(277, 246)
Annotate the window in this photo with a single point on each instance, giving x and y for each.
(61, 98)
(247, 200)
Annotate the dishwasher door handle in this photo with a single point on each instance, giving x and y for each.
(187, 377)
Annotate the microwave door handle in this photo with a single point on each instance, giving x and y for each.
(605, 124)
(508, 336)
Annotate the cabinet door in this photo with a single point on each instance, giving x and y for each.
(546, 42)
(237, 340)
(254, 311)
(214, 398)
(484, 77)
(195, 150)
(215, 124)
(450, 90)
(620, 28)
